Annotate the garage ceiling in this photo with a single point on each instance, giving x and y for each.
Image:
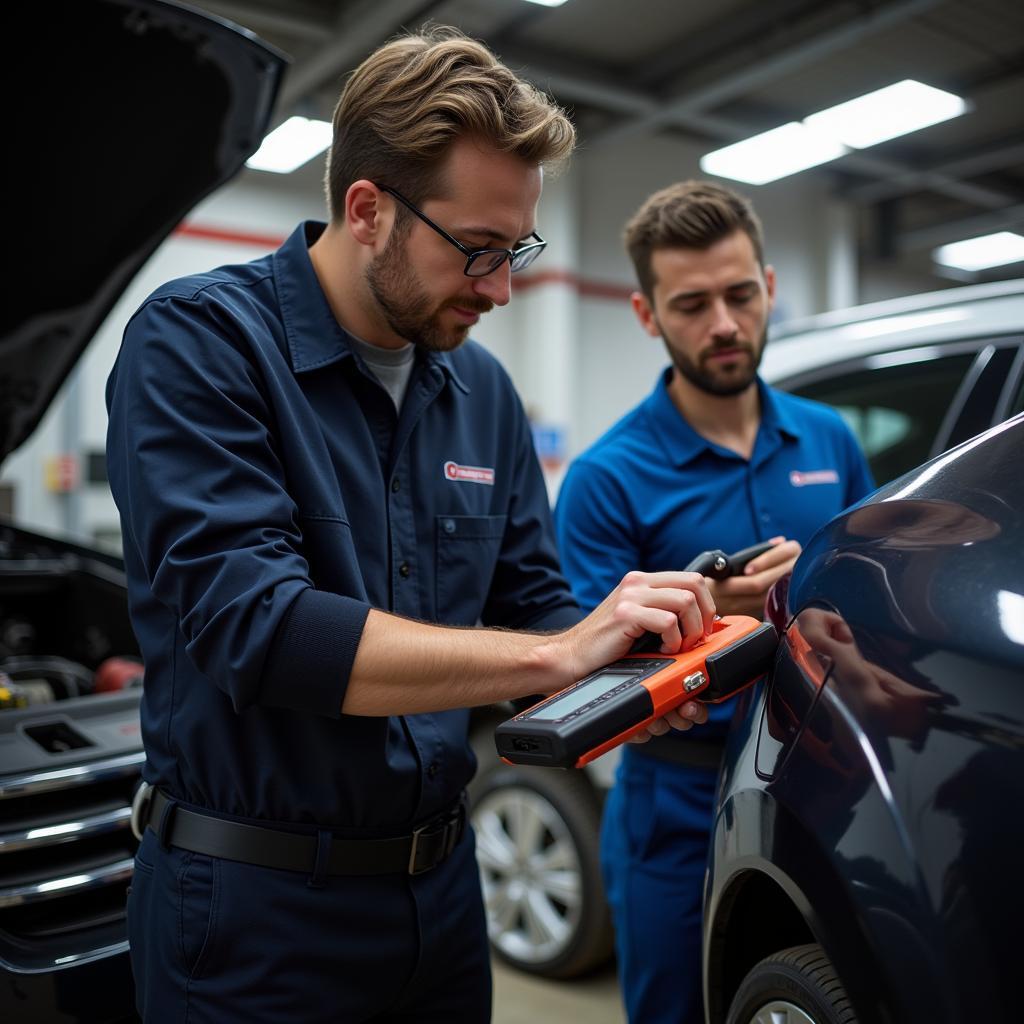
(714, 73)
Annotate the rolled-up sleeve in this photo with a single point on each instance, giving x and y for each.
(203, 499)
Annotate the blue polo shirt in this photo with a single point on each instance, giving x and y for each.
(270, 495)
(652, 493)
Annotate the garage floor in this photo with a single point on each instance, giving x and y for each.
(521, 999)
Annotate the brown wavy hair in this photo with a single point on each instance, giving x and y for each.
(411, 99)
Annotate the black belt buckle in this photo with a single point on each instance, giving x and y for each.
(433, 842)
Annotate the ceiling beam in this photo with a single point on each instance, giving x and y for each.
(291, 23)
(1007, 219)
(864, 161)
(361, 27)
(976, 163)
(751, 27)
(630, 102)
(783, 61)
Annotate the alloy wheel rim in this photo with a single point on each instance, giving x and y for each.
(779, 1011)
(530, 873)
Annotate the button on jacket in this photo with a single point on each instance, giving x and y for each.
(270, 495)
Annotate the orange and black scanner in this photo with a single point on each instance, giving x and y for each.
(580, 723)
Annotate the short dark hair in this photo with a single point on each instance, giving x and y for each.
(688, 215)
(412, 98)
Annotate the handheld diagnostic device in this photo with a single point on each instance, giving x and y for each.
(580, 723)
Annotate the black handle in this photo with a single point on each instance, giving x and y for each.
(739, 559)
(710, 563)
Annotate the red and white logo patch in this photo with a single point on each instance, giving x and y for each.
(813, 476)
(469, 474)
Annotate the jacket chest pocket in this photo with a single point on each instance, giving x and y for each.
(467, 553)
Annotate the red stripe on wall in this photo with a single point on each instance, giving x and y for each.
(587, 289)
(523, 282)
(226, 235)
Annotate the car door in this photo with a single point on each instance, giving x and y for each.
(908, 405)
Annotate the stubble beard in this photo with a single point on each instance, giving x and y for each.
(405, 305)
(712, 382)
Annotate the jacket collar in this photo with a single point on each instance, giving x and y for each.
(315, 338)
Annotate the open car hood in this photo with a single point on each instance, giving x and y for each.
(126, 113)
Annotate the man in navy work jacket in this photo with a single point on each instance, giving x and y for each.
(712, 459)
(327, 497)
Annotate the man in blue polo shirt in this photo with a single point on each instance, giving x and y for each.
(323, 488)
(713, 458)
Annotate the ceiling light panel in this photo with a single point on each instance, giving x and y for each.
(875, 117)
(290, 145)
(980, 253)
(774, 154)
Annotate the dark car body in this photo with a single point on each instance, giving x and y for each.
(912, 377)
(135, 110)
(872, 797)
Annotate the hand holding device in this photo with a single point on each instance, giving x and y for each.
(607, 707)
(743, 587)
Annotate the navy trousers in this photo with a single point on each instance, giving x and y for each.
(654, 848)
(218, 942)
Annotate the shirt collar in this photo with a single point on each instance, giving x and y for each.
(774, 414)
(315, 338)
(682, 443)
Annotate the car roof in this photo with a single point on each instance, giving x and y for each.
(984, 311)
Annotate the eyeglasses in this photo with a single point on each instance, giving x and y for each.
(479, 262)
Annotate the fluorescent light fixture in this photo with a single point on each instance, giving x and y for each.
(290, 145)
(897, 109)
(547, 3)
(865, 121)
(771, 155)
(980, 253)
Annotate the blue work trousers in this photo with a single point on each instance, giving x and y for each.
(219, 942)
(654, 848)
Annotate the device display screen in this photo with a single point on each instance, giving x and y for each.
(582, 695)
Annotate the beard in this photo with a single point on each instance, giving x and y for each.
(407, 308)
(705, 376)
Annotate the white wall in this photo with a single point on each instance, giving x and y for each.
(569, 338)
(616, 364)
(246, 207)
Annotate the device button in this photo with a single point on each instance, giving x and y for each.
(693, 681)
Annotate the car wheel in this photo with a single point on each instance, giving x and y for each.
(795, 986)
(537, 832)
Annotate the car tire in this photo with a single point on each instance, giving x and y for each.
(537, 835)
(795, 986)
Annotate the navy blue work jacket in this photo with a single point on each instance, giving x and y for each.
(270, 495)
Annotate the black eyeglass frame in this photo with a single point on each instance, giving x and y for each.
(518, 259)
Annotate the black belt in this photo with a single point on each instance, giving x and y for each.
(314, 854)
(682, 750)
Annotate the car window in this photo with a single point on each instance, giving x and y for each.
(895, 411)
(1018, 402)
(987, 381)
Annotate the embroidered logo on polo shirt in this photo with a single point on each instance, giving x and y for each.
(470, 474)
(813, 476)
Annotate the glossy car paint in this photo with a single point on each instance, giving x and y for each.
(872, 798)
